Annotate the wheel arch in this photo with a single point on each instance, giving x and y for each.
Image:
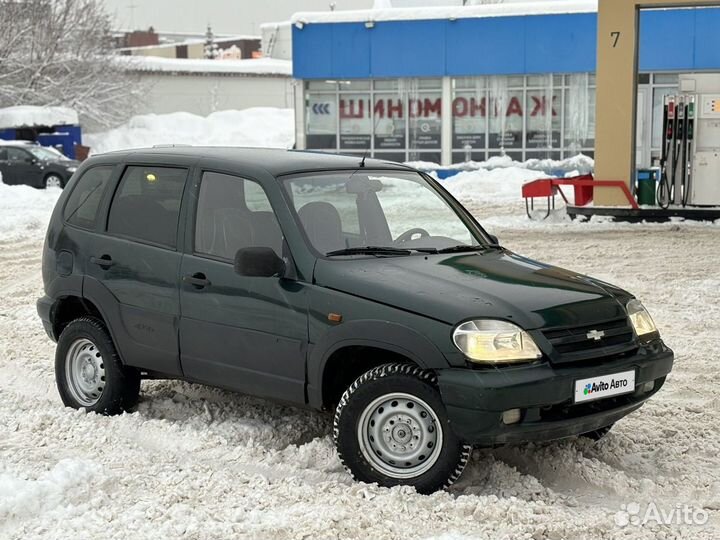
(354, 347)
(70, 307)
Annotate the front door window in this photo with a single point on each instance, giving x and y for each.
(233, 213)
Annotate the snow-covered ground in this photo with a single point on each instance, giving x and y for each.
(196, 462)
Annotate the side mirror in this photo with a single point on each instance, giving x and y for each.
(494, 239)
(30, 160)
(258, 262)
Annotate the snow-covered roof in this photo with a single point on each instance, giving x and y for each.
(273, 25)
(190, 41)
(28, 116)
(15, 142)
(250, 66)
(539, 7)
(181, 37)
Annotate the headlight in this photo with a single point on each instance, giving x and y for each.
(495, 342)
(640, 318)
(71, 169)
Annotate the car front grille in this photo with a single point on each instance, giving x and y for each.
(608, 339)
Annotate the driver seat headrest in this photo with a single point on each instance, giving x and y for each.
(323, 226)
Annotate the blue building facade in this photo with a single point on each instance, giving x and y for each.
(448, 90)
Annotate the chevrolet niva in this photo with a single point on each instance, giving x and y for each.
(337, 283)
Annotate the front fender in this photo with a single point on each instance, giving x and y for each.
(392, 337)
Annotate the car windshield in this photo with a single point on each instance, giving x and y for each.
(41, 152)
(385, 213)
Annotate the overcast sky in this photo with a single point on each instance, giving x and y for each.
(225, 16)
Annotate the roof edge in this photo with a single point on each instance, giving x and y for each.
(527, 8)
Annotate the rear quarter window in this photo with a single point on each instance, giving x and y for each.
(83, 203)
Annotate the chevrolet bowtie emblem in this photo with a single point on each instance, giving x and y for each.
(597, 335)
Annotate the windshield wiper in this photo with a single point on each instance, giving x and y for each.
(461, 249)
(368, 250)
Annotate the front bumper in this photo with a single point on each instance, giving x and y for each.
(476, 399)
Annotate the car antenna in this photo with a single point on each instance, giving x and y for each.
(375, 123)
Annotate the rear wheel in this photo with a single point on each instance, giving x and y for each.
(391, 428)
(53, 181)
(88, 371)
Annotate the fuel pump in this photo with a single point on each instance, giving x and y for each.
(677, 152)
(690, 153)
(687, 148)
(664, 191)
(678, 143)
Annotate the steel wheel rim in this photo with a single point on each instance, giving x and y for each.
(53, 181)
(85, 372)
(400, 435)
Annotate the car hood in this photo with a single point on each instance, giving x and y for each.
(493, 284)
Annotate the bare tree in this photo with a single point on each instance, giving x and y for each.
(58, 52)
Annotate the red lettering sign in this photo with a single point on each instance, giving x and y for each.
(394, 109)
(541, 106)
(352, 108)
(460, 107)
(469, 107)
(427, 107)
(432, 107)
(514, 107)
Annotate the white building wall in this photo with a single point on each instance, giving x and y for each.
(203, 94)
(277, 40)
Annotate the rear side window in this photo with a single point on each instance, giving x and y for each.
(82, 206)
(146, 206)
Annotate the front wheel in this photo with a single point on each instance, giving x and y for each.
(391, 428)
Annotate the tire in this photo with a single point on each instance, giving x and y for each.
(397, 409)
(597, 434)
(88, 371)
(53, 180)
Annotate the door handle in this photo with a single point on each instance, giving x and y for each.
(197, 280)
(104, 262)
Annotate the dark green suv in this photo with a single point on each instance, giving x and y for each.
(359, 287)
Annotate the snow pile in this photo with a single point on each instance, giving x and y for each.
(25, 497)
(497, 185)
(27, 115)
(25, 211)
(578, 164)
(493, 188)
(250, 66)
(256, 127)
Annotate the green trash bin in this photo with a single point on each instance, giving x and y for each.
(646, 186)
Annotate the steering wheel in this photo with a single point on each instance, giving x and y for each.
(407, 235)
